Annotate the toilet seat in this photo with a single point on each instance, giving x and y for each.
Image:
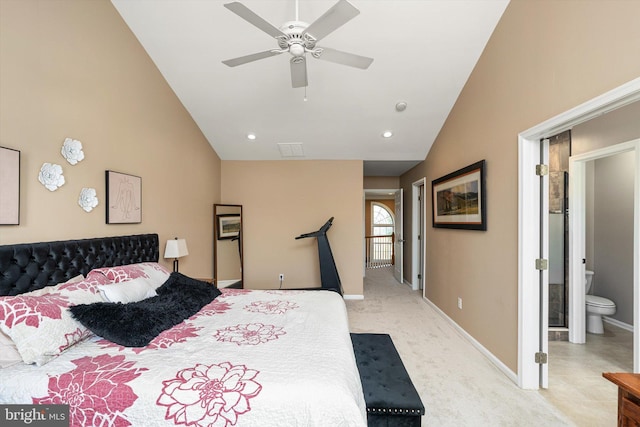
(596, 301)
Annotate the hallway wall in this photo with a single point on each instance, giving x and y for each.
(544, 57)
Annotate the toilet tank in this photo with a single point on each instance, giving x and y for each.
(588, 279)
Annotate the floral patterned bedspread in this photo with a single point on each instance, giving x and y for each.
(250, 358)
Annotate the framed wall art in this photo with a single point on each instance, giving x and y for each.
(124, 198)
(228, 226)
(9, 186)
(459, 199)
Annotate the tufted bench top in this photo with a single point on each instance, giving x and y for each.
(388, 391)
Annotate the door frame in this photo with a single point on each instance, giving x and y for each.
(398, 227)
(418, 246)
(530, 375)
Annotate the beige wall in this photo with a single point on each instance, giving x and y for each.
(72, 68)
(381, 182)
(283, 199)
(544, 58)
(615, 127)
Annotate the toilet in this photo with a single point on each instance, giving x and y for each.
(596, 307)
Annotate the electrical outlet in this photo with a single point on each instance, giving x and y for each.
(460, 303)
(281, 277)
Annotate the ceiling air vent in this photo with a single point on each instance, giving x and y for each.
(291, 149)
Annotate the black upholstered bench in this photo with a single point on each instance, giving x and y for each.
(391, 398)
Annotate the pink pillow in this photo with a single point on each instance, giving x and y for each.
(156, 273)
(39, 323)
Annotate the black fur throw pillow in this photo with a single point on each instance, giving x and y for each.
(135, 324)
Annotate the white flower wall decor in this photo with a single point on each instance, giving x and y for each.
(88, 199)
(51, 176)
(72, 151)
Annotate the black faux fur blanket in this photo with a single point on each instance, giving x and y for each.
(136, 324)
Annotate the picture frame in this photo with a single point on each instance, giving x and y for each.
(9, 186)
(459, 199)
(228, 226)
(124, 198)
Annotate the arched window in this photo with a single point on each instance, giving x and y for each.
(381, 220)
(380, 243)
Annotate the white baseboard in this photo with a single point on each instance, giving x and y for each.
(353, 297)
(482, 349)
(619, 324)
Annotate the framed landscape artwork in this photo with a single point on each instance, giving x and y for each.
(124, 198)
(459, 199)
(228, 226)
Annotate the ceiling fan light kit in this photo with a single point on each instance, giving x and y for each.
(299, 38)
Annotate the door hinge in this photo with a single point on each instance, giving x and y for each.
(541, 358)
(542, 264)
(419, 276)
(542, 170)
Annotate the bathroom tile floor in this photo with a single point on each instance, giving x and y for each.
(576, 385)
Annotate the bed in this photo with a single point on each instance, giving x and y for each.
(244, 358)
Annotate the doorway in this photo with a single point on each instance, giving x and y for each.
(383, 231)
(418, 245)
(533, 234)
(578, 258)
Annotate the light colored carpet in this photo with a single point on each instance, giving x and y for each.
(457, 384)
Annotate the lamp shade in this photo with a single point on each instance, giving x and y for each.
(176, 248)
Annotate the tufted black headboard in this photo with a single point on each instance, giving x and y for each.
(29, 266)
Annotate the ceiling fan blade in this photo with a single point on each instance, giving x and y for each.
(250, 58)
(298, 72)
(344, 58)
(341, 13)
(248, 15)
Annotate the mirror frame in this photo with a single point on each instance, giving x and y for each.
(215, 241)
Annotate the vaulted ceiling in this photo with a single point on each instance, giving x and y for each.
(423, 52)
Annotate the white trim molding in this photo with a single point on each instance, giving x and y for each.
(482, 349)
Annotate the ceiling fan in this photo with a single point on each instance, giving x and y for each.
(299, 38)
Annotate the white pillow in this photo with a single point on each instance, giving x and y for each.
(8, 352)
(130, 291)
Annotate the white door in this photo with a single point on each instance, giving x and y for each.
(417, 240)
(543, 278)
(398, 244)
(421, 219)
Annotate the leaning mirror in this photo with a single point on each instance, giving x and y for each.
(227, 246)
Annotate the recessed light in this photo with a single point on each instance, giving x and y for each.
(387, 134)
(401, 106)
(251, 136)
